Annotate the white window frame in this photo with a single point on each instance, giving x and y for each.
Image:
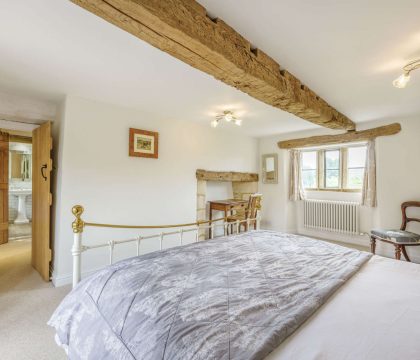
(342, 171)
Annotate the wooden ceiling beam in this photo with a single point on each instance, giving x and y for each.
(350, 136)
(183, 29)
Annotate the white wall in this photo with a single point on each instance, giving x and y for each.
(94, 170)
(398, 174)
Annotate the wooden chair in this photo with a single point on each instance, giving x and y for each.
(399, 238)
(254, 204)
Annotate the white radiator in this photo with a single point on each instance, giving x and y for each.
(337, 216)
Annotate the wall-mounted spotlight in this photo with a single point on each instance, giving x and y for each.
(401, 81)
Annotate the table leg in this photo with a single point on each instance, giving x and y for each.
(226, 227)
(210, 218)
(398, 252)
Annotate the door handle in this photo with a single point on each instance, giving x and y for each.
(43, 167)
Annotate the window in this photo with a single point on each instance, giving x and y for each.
(356, 157)
(332, 169)
(337, 169)
(310, 169)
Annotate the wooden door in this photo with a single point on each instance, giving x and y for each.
(4, 188)
(41, 199)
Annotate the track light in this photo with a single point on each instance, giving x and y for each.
(401, 81)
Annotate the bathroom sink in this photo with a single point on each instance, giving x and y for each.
(21, 194)
(18, 192)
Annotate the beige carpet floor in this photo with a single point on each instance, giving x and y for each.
(26, 303)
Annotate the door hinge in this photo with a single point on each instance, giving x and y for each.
(49, 255)
(50, 199)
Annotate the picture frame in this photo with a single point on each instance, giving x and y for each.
(143, 143)
(270, 169)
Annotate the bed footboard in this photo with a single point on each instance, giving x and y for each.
(79, 225)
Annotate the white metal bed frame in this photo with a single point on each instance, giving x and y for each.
(78, 226)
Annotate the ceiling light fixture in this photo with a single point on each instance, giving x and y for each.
(214, 123)
(401, 81)
(227, 116)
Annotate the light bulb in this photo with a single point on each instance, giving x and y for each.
(228, 116)
(214, 123)
(238, 122)
(401, 81)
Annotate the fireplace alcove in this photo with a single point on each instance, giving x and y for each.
(243, 185)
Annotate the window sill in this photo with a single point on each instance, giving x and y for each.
(336, 190)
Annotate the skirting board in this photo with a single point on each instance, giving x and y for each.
(361, 240)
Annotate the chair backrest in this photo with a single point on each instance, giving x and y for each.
(405, 218)
(254, 204)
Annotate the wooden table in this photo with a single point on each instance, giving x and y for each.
(226, 206)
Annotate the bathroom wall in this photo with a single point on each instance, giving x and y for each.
(17, 183)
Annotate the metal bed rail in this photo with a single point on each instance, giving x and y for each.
(78, 226)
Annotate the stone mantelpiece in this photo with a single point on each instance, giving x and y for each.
(243, 185)
(226, 176)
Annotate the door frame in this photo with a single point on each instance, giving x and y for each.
(4, 187)
(22, 136)
(41, 199)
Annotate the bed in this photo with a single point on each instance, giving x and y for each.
(247, 296)
(375, 315)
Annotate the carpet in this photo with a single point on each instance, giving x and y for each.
(26, 304)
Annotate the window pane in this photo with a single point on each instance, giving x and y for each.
(356, 157)
(309, 179)
(332, 178)
(309, 160)
(332, 159)
(355, 178)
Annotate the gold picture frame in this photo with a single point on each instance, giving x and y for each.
(143, 143)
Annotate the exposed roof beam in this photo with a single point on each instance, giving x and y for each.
(183, 29)
(350, 136)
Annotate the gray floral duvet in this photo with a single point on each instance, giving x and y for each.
(234, 297)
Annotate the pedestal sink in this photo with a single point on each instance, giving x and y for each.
(21, 194)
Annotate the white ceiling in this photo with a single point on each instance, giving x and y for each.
(347, 51)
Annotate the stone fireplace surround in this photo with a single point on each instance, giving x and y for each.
(243, 185)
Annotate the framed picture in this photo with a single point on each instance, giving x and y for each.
(269, 168)
(144, 143)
